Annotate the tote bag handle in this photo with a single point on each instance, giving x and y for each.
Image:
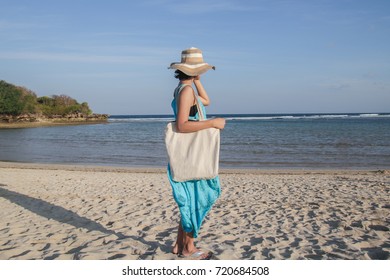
(200, 111)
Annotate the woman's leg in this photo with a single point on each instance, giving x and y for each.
(178, 247)
(188, 244)
(185, 245)
(189, 248)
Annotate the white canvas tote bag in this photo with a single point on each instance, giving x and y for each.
(194, 155)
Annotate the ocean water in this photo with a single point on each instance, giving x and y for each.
(299, 141)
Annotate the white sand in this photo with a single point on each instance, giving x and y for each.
(63, 212)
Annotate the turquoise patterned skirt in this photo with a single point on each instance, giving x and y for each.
(195, 199)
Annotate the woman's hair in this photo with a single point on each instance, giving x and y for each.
(182, 76)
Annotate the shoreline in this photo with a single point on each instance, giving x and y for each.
(17, 125)
(69, 212)
(159, 170)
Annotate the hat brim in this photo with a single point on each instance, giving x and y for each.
(192, 70)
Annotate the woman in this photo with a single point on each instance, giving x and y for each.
(194, 198)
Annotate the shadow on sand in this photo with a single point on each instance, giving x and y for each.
(54, 212)
(63, 215)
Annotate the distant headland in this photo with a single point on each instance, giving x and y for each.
(20, 107)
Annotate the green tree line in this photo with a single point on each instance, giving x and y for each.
(16, 100)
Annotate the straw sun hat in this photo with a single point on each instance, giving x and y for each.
(191, 63)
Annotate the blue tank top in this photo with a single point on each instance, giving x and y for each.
(194, 114)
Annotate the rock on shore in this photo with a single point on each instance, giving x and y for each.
(37, 118)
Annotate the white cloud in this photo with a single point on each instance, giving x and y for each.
(6, 25)
(357, 85)
(77, 57)
(204, 6)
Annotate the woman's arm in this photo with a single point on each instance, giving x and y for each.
(201, 91)
(185, 101)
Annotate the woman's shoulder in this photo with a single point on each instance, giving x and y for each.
(184, 89)
(187, 88)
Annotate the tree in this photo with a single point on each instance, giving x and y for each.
(85, 109)
(10, 99)
(29, 100)
(15, 100)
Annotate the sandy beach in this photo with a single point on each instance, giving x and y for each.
(81, 212)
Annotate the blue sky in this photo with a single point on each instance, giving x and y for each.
(271, 56)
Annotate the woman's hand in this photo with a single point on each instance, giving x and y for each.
(219, 123)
